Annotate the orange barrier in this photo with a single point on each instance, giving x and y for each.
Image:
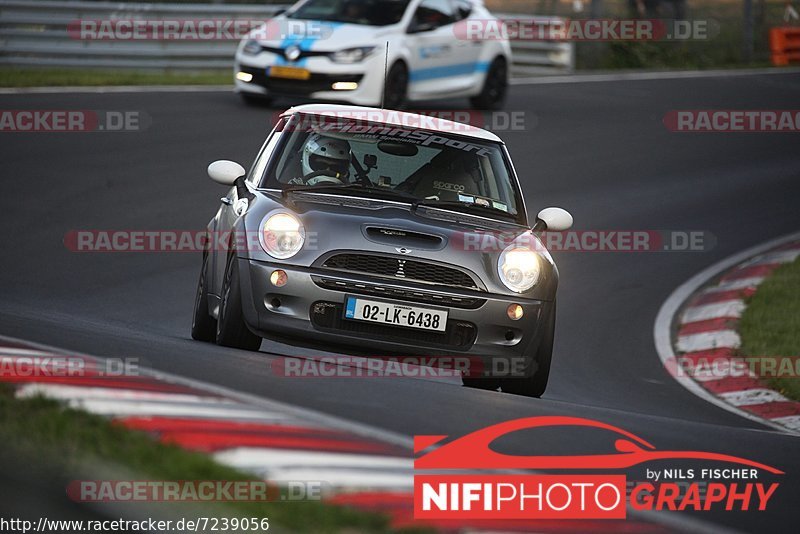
(784, 42)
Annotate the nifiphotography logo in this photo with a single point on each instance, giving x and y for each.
(465, 478)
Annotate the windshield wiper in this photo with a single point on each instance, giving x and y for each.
(467, 207)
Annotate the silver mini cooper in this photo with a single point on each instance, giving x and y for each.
(385, 232)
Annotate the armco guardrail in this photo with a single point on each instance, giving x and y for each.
(35, 33)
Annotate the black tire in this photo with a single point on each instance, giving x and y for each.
(231, 328)
(495, 87)
(259, 101)
(396, 87)
(204, 326)
(535, 384)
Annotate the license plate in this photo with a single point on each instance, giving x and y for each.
(291, 73)
(395, 314)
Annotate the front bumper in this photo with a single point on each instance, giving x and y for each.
(324, 74)
(309, 307)
(318, 82)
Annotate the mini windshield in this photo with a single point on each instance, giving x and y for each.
(424, 168)
(367, 12)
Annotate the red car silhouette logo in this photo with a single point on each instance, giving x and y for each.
(473, 450)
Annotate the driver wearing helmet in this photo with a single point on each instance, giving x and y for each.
(325, 159)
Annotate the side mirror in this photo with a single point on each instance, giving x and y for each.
(225, 172)
(553, 219)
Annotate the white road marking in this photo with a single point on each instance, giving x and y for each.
(122, 408)
(780, 256)
(533, 80)
(67, 392)
(749, 397)
(662, 328)
(638, 76)
(14, 352)
(336, 469)
(718, 339)
(717, 310)
(263, 457)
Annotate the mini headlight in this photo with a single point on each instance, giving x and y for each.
(518, 268)
(252, 47)
(352, 55)
(282, 236)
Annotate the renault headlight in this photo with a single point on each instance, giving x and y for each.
(352, 55)
(518, 268)
(252, 48)
(282, 235)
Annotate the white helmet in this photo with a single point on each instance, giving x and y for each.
(327, 154)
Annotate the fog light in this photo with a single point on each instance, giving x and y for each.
(279, 278)
(514, 312)
(244, 76)
(344, 86)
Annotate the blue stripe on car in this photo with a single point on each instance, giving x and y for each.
(460, 69)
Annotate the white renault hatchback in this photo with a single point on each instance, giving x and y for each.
(336, 50)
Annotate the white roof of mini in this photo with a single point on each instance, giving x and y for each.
(399, 118)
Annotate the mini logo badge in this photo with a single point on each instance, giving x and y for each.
(404, 250)
(292, 53)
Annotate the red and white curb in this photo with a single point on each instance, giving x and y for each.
(703, 317)
(362, 466)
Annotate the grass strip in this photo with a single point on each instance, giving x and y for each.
(770, 325)
(46, 77)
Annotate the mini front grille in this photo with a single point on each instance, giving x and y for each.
(398, 293)
(459, 335)
(400, 268)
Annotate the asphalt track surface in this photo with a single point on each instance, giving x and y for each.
(599, 150)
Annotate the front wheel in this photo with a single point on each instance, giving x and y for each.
(396, 87)
(495, 86)
(231, 328)
(204, 326)
(535, 384)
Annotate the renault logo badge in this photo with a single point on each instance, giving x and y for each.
(292, 53)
